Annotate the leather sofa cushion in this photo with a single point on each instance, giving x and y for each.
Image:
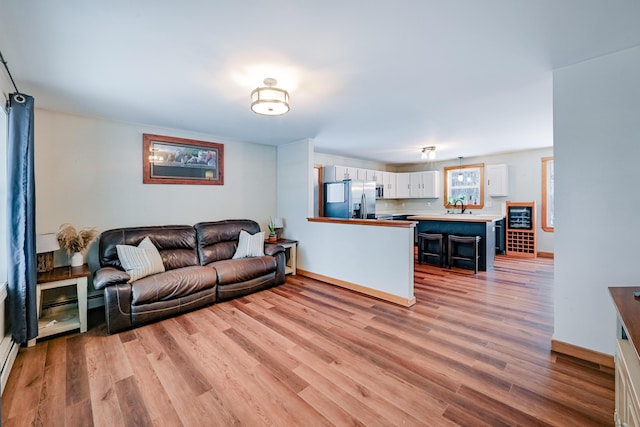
(176, 244)
(239, 270)
(218, 240)
(173, 284)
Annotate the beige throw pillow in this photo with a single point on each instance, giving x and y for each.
(250, 245)
(141, 261)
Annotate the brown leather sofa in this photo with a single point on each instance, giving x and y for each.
(199, 271)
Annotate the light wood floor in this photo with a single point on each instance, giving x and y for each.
(473, 351)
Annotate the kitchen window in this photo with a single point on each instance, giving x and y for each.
(464, 183)
(547, 194)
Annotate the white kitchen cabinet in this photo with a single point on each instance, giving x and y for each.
(361, 174)
(430, 184)
(403, 185)
(344, 172)
(390, 185)
(497, 180)
(336, 173)
(415, 184)
(424, 184)
(374, 176)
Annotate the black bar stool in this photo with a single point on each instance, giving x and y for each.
(455, 252)
(425, 249)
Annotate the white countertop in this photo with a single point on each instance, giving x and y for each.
(457, 217)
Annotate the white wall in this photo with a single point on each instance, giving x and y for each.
(378, 258)
(597, 149)
(295, 190)
(89, 173)
(331, 159)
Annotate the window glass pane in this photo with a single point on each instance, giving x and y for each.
(465, 183)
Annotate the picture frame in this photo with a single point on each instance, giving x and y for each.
(170, 160)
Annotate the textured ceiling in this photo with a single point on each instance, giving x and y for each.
(368, 79)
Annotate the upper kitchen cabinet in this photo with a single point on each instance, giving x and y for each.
(430, 184)
(403, 185)
(415, 184)
(424, 184)
(364, 175)
(376, 176)
(338, 173)
(497, 180)
(389, 183)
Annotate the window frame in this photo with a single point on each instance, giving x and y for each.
(547, 196)
(451, 169)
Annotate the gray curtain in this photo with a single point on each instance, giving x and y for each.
(21, 205)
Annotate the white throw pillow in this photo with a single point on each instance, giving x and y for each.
(141, 261)
(250, 245)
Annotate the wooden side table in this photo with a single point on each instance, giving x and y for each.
(68, 319)
(291, 251)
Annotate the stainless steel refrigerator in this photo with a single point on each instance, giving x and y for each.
(350, 199)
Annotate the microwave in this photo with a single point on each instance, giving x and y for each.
(379, 191)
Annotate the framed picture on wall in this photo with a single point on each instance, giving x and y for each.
(169, 160)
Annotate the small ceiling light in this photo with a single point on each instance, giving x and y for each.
(460, 175)
(428, 153)
(270, 100)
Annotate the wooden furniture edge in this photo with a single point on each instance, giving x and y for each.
(545, 255)
(628, 313)
(582, 353)
(385, 296)
(62, 273)
(371, 222)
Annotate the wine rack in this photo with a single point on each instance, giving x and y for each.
(521, 229)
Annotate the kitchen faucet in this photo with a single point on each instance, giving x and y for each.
(461, 205)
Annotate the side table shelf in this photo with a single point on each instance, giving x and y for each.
(291, 251)
(68, 319)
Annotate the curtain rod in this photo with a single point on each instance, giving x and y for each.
(9, 72)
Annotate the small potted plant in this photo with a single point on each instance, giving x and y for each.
(272, 231)
(76, 243)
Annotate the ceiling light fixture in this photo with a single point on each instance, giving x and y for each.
(428, 153)
(460, 176)
(270, 100)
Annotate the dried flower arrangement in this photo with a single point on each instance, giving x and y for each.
(74, 241)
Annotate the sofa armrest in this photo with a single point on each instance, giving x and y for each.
(108, 276)
(117, 305)
(272, 249)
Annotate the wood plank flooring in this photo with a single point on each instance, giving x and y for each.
(473, 351)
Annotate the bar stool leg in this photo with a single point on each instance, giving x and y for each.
(475, 257)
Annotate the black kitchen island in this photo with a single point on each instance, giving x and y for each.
(465, 225)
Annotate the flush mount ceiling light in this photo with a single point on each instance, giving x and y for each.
(270, 100)
(428, 153)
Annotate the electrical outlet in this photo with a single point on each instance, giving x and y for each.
(488, 203)
(429, 204)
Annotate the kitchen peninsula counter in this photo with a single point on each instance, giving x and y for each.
(373, 257)
(456, 217)
(464, 225)
(370, 222)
